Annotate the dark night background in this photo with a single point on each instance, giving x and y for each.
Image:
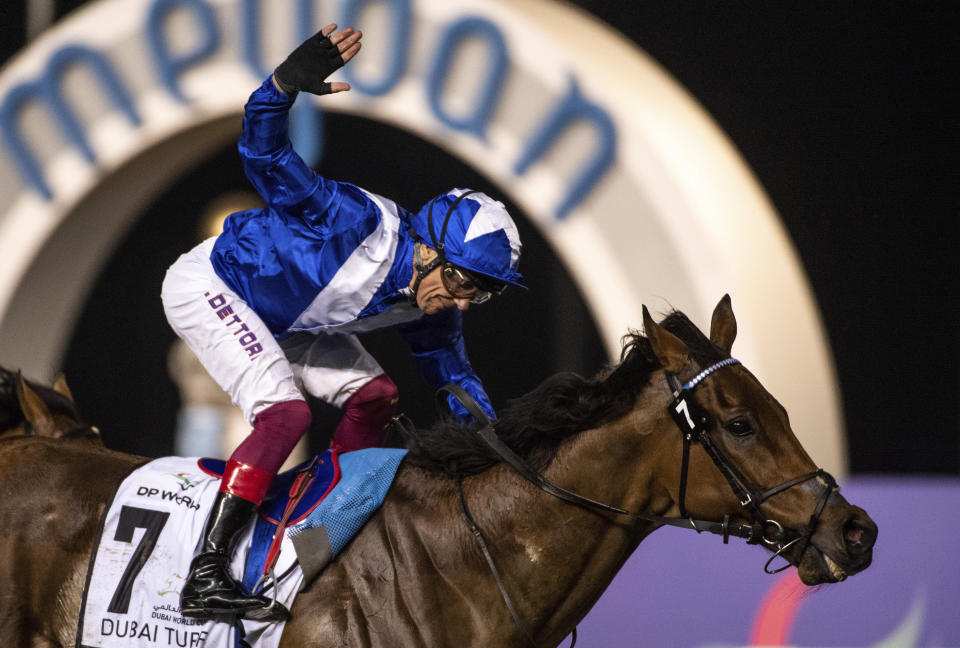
(840, 109)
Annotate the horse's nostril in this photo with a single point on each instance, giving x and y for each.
(859, 535)
(854, 536)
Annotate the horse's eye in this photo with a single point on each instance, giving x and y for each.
(739, 427)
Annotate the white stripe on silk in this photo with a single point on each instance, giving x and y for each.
(357, 280)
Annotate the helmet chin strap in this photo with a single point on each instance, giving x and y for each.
(422, 271)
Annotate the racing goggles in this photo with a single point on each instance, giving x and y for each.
(463, 284)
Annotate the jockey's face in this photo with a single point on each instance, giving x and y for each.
(432, 295)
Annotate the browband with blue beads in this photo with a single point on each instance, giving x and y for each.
(706, 372)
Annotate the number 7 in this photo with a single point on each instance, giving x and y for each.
(683, 408)
(132, 518)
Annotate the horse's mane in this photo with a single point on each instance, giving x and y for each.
(10, 413)
(563, 405)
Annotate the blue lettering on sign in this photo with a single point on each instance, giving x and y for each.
(396, 63)
(170, 65)
(476, 121)
(250, 37)
(574, 107)
(304, 22)
(306, 119)
(48, 89)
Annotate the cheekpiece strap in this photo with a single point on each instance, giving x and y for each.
(422, 271)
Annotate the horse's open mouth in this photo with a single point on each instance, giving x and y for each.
(836, 571)
(817, 567)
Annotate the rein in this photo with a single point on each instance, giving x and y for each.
(692, 423)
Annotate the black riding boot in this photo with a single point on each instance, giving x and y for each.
(210, 591)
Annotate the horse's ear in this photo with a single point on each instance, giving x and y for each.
(723, 325)
(60, 386)
(669, 349)
(34, 409)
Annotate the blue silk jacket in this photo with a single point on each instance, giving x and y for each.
(327, 256)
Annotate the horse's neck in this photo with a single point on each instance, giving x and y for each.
(555, 558)
(564, 557)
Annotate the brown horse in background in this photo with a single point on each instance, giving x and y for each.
(415, 575)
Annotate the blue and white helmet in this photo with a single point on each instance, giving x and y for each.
(473, 231)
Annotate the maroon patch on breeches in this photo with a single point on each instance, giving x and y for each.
(366, 415)
(276, 431)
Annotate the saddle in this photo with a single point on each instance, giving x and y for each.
(323, 473)
(291, 498)
(319, 529)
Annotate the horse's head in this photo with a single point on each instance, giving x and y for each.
(743, 460)
(28, 409)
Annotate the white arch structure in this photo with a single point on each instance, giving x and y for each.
(640, 194)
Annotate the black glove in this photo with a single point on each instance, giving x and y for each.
(308, 66)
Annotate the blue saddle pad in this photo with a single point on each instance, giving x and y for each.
(356, 483)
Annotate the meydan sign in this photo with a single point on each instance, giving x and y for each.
(639, 194)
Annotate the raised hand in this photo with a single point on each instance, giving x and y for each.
(308, 66)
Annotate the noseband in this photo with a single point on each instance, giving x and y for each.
(692, 421)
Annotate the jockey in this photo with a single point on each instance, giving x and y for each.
(272, 307)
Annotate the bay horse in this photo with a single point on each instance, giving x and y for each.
(468, 549)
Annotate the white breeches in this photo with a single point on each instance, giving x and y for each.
(241, 354)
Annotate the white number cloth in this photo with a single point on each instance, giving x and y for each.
(149, 536)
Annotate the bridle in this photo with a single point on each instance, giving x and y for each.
(692, 421)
